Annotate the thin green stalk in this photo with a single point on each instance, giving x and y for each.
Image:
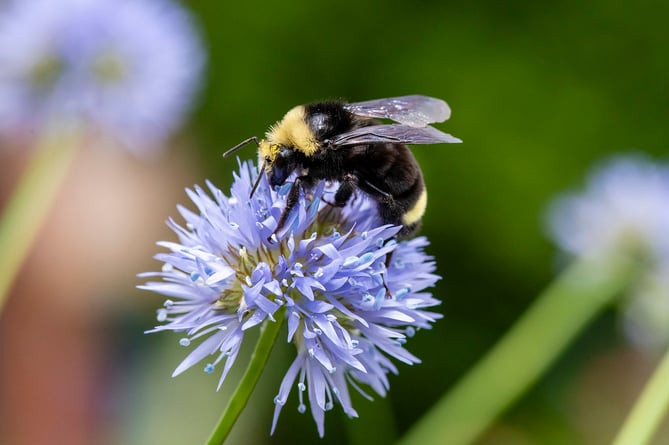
(28, 206)
(524, 353)
(240, 397)
(649, 410)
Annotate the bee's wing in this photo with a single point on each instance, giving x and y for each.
(414, 111)
(394, 133)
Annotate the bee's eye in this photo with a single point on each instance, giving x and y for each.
(320, 123)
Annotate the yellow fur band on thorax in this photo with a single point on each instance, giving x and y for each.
(293, 131)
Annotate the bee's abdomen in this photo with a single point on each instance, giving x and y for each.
(416, 211)
(399, 176)
(405, 209)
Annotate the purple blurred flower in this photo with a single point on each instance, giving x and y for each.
(625, 205)
(624, 210)
(129, 68)
(347, 311)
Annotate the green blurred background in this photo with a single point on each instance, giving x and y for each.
(539, 91)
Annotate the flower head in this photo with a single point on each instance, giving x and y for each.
(128, 67)
(353, 295)
(624, 210)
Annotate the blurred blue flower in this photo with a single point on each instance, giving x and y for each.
(624, 210)
(129, 68)
(625, 205)
(353, 295)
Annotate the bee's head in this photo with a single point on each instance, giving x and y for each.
(286, 141)
(278, 161)
(268, 152)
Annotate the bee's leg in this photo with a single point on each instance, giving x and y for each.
(344, 193)
(387, 196)
(388, 202)
(346, 188)
(291, 201)
(389, 257)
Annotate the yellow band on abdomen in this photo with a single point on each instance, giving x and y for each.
(415, 213)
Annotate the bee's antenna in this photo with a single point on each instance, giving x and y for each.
(260, 175)
(240, 145)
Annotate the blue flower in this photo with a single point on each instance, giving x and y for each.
(625, 206)
(129, 68)
(624, 210)
(353, 295)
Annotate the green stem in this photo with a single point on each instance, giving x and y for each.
(524, 353)
(649, 409)
(28, 206)
(240, 397)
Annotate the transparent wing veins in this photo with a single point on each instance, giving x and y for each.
(414, 111)
(393, 133)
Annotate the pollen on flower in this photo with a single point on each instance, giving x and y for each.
(325, 266)
(161, 315)
(402, 292)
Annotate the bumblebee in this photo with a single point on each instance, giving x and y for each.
(345, 142)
